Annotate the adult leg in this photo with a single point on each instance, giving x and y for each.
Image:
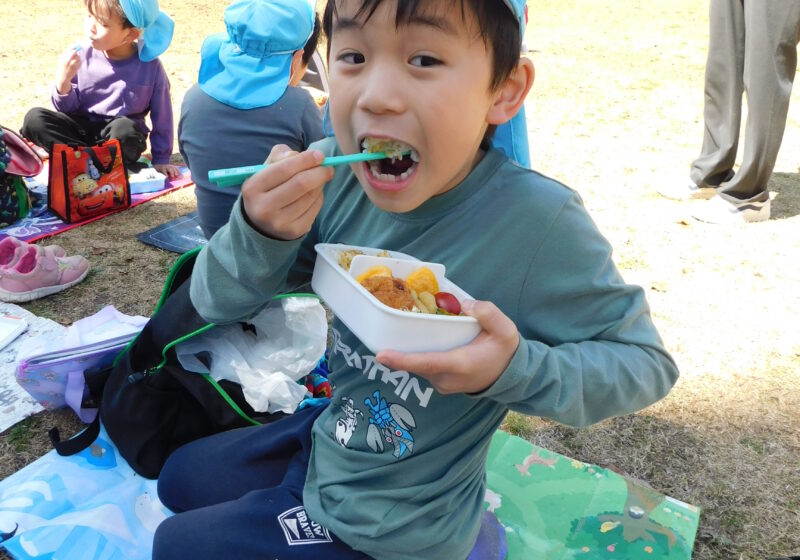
(44, 127)
(770, 64)
(228, 465)
(724, 86)
(132, 140)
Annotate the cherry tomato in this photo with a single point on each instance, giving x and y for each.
(447, 302)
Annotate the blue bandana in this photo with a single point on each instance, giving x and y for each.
(156, 26)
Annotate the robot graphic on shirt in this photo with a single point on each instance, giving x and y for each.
(392, 423)
(389, 423)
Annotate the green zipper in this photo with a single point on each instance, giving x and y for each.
(173, 272)
(229, 400)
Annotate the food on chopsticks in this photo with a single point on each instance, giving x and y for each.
(391, 148)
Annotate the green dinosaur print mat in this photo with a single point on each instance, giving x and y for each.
(555, 507)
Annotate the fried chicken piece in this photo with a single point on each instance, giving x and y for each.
(390, 291)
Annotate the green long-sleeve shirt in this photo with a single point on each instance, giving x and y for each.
(398, 470)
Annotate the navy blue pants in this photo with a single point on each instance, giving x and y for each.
(239, 494)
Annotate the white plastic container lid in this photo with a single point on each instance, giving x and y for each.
(377, 325)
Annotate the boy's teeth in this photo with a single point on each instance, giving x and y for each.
(374, 168)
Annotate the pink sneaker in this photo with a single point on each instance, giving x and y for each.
(39, 273)
(9, 254)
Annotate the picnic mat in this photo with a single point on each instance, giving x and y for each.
(179, 235)
(42, 223)
(93, 506)
(15, 402)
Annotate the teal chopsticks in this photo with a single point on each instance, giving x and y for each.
(236, 175)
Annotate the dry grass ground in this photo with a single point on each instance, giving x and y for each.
(615, 111)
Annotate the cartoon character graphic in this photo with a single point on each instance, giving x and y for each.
(347, 425)
(91, 169)
(494, 500)
(391, 423)
(535, 459)
(99, 200)
(119, 194)
(82, 185)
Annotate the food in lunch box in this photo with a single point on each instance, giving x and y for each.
(419, 292)
(390, 291)
(448, 302)
(346, 257)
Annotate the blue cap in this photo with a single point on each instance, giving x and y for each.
(250, 65)
(156, 26)
(512, 137)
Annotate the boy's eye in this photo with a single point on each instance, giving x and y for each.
(352, 58)
(424, 61)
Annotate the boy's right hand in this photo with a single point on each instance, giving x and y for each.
(68, 64)
(283, 199)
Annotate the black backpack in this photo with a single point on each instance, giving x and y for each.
(148, 403)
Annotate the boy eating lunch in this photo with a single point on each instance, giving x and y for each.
(563, 336)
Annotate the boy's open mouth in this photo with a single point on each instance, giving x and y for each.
(397, 168)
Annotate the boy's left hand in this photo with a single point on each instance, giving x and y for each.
(469, 369)
(171, 171)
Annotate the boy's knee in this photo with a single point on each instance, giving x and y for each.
(35, 120)
(123, 126)
(132, 140)
(126, 131)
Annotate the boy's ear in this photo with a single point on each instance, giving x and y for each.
(298, 69)
(511, 95)
(134, 33)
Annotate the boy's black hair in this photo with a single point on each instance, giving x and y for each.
(102, 10)
(313, 41)
(497, 26)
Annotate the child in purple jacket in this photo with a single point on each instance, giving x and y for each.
(104, 89)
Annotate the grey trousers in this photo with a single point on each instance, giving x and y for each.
(752, 49)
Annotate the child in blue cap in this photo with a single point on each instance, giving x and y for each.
(106, 88)
(247, 99)
(563, 336)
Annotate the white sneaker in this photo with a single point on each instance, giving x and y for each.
(721, 211)
(685, 191)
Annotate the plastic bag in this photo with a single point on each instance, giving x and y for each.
(289, 339)
(51, 367)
